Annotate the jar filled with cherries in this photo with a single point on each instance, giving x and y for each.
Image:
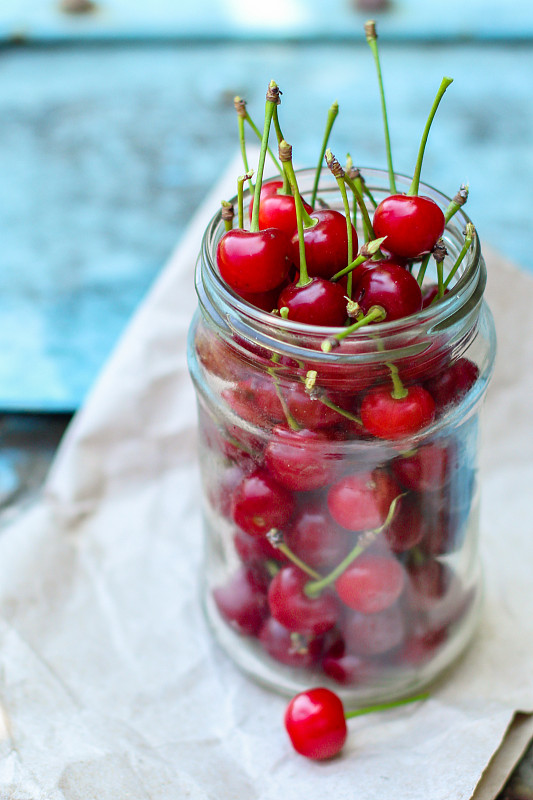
(340, 354)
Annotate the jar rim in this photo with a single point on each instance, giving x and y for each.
(436, 314)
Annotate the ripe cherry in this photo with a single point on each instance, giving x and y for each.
(453, 383)
(316, 539)
(260, 503)
(296, 610)
(277, 210)
(390, 286)
(361, 501)
(428, 469)
(254, 261)
(374, 634)
(389, 417)
(371, 583)
(317, 302)
(412, 224)
(326, 243)
(242, 602)
(407, 527)
(288, 647)
(298, 459)
(316, 724)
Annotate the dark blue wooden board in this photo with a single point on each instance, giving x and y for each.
(105, 151)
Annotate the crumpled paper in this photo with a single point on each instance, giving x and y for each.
(112, 686)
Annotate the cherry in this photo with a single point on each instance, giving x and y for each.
(407, 527)
(298, 459)
(374, 634)
(428, 469)
(371, 583)
(308, 411)
(420, 647)
(260, 503)
(288, 647)
(255, 400)
(326, 244)
(428, 583)
(346, 668)
(316, 724)
(242, 602)
(390, 286)
(316, 539)
(254, 261)
(318, 302)
(361, 501)
(453, 383)
(429, 293)
(297, 611)
(412, 225)
(254, 550)
(389, 417)
(277, 210)
(266, 301)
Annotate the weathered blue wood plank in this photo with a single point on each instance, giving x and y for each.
(276, 19)
(105, 152)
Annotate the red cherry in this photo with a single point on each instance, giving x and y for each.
(318, 302)
(316, 539)
(390, 286)
(266, 301)
(242, 602)
(294, 609)
(288, 647)
(369, 265)
(259, 504)
(427, 470)
(254, 262)
(255, 400)
(453, 383)
(347, 668)
(299, 459)
(361, 501)
(308, 411)
(412, 224)
(407, 527)
(429, 294)
(371, 584)
(277, 210)
(390, 418)
(253, 550)
(326, 244)
(315, 723)
(374, 634)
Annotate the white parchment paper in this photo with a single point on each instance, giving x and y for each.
(111, 686)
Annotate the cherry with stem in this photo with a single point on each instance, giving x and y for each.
(338, 173)
(315, 721)
(332, 116)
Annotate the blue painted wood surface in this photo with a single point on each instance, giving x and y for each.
(105, 151)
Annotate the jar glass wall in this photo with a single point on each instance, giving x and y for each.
(332, 555)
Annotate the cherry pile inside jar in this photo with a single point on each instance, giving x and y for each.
(339, 362)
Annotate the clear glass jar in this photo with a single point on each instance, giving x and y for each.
(388, 526)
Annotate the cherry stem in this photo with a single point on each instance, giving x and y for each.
(372, 39)
(338, 173)
(470, 232)
(227, 214)
(376, 313)
(275, 538)
(321, 396)
(399, 392)
(458, 202)
(332, 116)
(240, 107)
(285, 154)
(415, 183)
(422, 271)
(291, 422)
(272, 100)
(384, 706)
(286, 189)
(240, 196)
(369, 230)
(367, 251)
(364, 541)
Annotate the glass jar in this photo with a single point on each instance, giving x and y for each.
(334, 557)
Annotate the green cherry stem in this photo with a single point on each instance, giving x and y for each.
(398, 389)
(375, 314)
(332, 116)
(240, 108)
(363, 542)
(285, 156)
(368, 250)
(422, 270)
(369, 230)
(372, 39)
(257, 132)
(272, 100)
(415, 183)
(291, 422)
(227, 214)
(385, 706)
(241, 180)
(286, 189)
(275, 537)
(439, 254)
(470, 233)
(457, 202)
(338, 173)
